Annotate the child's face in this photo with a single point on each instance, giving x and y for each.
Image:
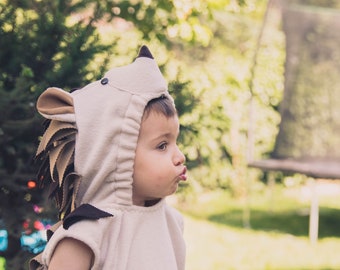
(159, 164)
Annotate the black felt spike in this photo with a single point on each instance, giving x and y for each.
(145, 52)
(84, 212)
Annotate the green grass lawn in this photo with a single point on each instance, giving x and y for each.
(277, 239)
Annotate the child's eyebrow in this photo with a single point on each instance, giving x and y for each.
(167, 135)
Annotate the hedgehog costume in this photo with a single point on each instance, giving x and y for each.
(87, 155)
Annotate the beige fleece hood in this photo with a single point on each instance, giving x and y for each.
(104, 118)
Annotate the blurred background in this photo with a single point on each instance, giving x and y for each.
(225, 61)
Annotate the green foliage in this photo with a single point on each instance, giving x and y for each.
(57, 43)
(38, 48)
(219, 76)
(2, 263)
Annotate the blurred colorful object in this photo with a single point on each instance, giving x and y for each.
(33, 242)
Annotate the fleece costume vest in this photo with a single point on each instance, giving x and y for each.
(105, 118)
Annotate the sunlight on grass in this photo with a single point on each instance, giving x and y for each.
(278, 237)
(212, 246)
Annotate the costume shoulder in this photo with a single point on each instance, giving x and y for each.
(87, 231)
(90, 232)
(174, 217)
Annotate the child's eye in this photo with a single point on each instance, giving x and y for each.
(162, 146)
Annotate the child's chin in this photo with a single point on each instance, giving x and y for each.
(175, 189)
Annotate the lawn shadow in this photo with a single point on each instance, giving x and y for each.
(290, 222)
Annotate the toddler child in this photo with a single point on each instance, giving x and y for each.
(110, 156)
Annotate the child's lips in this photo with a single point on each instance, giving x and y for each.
(183, 175)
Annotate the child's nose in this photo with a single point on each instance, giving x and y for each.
(179, 157)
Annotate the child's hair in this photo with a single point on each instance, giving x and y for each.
(162, 105)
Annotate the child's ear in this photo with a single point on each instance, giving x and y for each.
(56, 104)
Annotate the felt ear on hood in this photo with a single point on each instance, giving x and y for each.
(145, 52)
(56, 104)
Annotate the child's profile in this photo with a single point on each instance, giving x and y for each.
(110, 157)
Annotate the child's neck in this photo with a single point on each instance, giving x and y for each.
(151, 202)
